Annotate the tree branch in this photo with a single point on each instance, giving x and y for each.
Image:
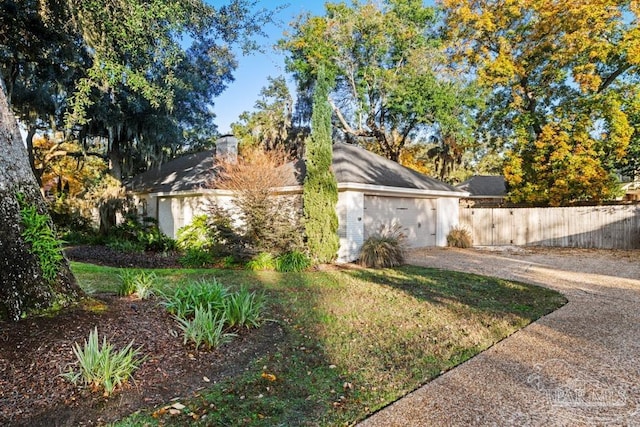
(613, 76)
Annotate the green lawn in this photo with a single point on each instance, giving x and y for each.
(355, 340)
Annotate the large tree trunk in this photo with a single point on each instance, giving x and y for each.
(23, 287)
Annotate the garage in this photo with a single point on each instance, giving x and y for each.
(372, 191)
(418, 217)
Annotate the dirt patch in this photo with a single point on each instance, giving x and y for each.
(33, 353)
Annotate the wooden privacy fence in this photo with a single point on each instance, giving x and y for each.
(602, 227)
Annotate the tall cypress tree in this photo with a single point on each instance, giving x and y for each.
(320, 191)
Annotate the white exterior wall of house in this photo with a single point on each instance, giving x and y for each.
(448, 218)
(350, 210)
(427, 217)
(174, 211)
(427, 220)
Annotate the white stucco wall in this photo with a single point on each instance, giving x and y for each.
(176, 210)
(448, 216)
(351, 225)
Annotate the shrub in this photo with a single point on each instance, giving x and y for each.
(71, 218)
(155, 241)
(196, 258)
(269, 222)
(201, 294)
(386, 248)
(194, 235)
(294, 261)
(143, 235)
(229, 261)
(459, 237)
(262, 261)
(122, 245)
(137, 282)
(101, 366)
(320, 188)
(37, 232)
(244, 309)
(206, 327)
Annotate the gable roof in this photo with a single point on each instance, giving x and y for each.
(484, 186)
(351, 165)
(187, 172)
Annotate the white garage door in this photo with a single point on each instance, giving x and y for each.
(417, 217)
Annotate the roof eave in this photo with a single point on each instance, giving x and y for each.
(384, 190)
(381, 190)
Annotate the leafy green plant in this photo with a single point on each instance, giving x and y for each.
(122, 245)
(154, 240)
(41, 238)
(294, 261)
(196, 258)
(206, 327)
(142, 234)
(262, 261)
(194, 235)
(137, 282)
(200, 294)
(229, 261)
(244, 309)
(386, 248)
(459, 237)
(101, 366)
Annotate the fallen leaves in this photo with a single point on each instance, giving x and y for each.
(269, 377)
(175, 409)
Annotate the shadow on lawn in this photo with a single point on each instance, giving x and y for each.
(294, 383)
(488, 294)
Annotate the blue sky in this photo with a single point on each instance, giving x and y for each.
(251, 75)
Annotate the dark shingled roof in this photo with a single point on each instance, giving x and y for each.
(351, 164)
(188, 172)
(484, 186)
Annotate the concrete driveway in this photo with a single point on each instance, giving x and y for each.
(577, 366)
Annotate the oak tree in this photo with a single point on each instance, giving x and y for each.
(135, 54)
(557, 73)
(392, 85)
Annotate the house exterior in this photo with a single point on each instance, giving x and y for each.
(485, 191)
(372, 191)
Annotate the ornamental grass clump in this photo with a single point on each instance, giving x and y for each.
(138, 282)
(386, 248)
(206, 327)
(101, 366)
(203, 293)
(459, 237)
(261, 262)
(243, 309)
(292, 262)
(206, 311)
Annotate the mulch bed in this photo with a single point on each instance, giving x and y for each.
(103, 255)
(34, 352)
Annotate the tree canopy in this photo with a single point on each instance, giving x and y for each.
(115, 71)
(392, 85)
(270, 124)
(562, 78)
(136, 77)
